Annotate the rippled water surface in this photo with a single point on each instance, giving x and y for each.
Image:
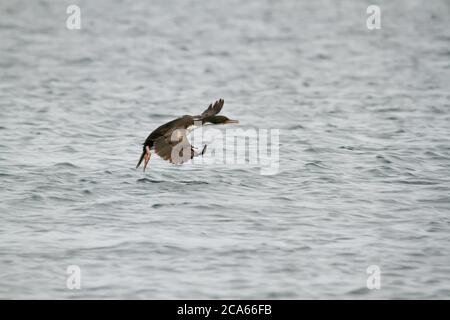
(364, 120)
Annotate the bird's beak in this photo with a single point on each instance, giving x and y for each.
(232, 121)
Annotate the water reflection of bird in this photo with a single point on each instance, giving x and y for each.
(170, 140)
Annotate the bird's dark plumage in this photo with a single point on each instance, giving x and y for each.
(170, 139)
(212, 110)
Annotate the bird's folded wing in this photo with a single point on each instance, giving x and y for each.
(213, 109)
(172, 150)
(163, 148)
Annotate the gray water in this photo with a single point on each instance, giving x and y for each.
(364, 150)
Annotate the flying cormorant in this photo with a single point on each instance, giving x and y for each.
(170, 140)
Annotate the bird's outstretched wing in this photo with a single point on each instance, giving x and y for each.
(174, 147)
(212, 110)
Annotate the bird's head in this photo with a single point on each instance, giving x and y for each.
(219, 120)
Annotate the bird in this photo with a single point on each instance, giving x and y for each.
(170, 142)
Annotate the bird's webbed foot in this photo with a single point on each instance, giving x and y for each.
(195, 153)
(204, 149)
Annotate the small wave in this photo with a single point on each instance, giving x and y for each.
(377, 172)
(65, 165)
(61, 199)
(296, 127)
(436, 200)
(417, 182)
(359, 291)
(315, 164)
(80, 61)
(322, 56)
(389, 109)
(383, 159)
(68, 149)
(36, 197)
(435, 155)
(194, 182)
(148, 180)
(6, 175)
(88, 181)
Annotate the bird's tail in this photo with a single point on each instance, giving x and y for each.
(141, 158)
